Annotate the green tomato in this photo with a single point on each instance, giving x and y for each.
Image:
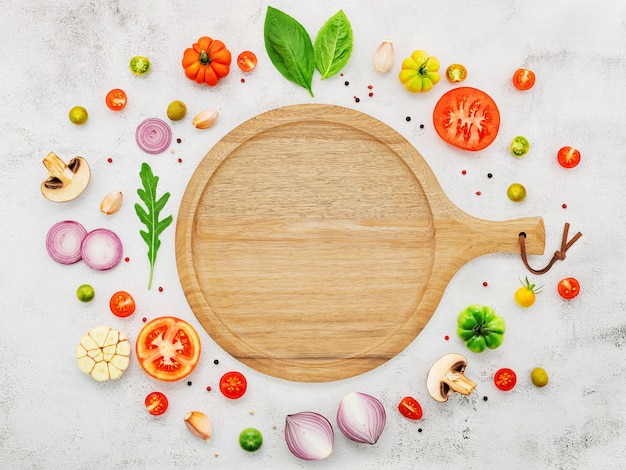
(520, 146)
(516, 192)
(78, 115)
(85, 293)
(139, 65)
(250, 439)
(480, 328)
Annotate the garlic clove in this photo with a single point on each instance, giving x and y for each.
(199, 425)
(111, 202)
(384, 57)
(205, 119)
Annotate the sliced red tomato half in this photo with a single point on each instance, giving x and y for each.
(233, 385)
(168, 348)
(505, 379)
(467, 118)
(156, 403)
(410, 408)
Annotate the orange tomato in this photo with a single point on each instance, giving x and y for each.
(207, 61)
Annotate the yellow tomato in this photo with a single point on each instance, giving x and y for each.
(420, 72)
(525, 295)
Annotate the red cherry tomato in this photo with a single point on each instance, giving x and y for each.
(122, 304)
(569, 288)
(523, 79)
(116, 99)
(156, 403)
(505, 379)
(410, 408)
(233, 385)
(246, 61)
(568, 157)
(467, 118)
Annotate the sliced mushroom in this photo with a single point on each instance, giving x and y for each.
(65, 181)
(446, 376)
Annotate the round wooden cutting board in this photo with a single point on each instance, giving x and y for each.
(314, 243)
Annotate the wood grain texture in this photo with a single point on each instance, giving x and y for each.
(314, 243)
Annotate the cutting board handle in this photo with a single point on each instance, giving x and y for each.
(469, 237)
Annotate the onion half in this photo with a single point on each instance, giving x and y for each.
(361, 417)
(101, 249)
(64, 240)
(153, 135)
(309, 435)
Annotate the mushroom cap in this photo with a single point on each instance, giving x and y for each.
(56, 190)
(437, 388)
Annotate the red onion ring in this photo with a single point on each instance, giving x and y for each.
(64, 240)
(153, 135)
(101, 249)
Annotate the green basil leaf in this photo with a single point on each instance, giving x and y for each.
(289, 47)
(333, 45)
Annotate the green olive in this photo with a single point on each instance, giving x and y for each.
(176, 110)
(78, 115)
(516, 192)
(539, 377)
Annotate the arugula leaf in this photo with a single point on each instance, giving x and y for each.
(150, 217)
(333, 45)
(289, 47)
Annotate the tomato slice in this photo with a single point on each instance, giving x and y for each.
(156, 403)
(233, 385)
(410, 408)
(467, 118)
(505, 379)
(168, 348)
(569, 288)
(116, 99)
(456, 73)
(122, 304)
(568, 157)
(523, 79)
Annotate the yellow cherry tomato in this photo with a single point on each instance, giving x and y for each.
(525, 296)
(456, 73)
(516, 192)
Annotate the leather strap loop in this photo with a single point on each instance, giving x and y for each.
(558, 255)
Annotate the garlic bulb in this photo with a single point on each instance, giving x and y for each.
(199, 425)
(205, 119)
(111, 202)
(361, 417)
(384, 57)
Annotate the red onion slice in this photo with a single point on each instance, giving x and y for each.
(102, 249)
(64, 240)
(153, 135)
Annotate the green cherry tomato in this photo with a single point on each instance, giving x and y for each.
(78, 115)
(85, 293)
(516, 192)
(139, 65)
(250, 439)
(520, 146)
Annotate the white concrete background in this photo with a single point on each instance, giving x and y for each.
(57, 54)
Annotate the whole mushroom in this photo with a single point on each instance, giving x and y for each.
(65, 181)
(446, 376)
